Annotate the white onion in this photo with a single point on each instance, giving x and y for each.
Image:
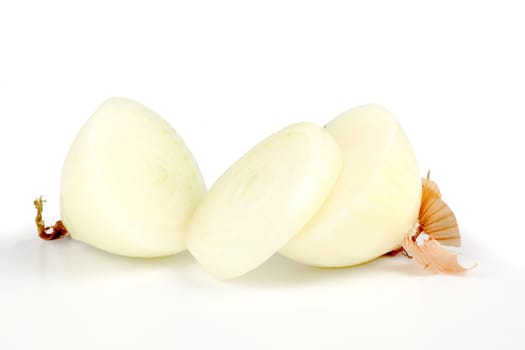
(129, 182)
(264, 199)
(376, 199)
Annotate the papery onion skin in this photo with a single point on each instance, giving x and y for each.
(435, 217)
(433, 257)
(438, 224)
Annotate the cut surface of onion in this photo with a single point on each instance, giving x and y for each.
(376, 199)
(264, 199)
(129, 183)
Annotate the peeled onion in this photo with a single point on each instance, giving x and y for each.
(375, 202)
(129, 182)
(264, 199)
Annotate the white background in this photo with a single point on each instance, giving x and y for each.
(226, 74)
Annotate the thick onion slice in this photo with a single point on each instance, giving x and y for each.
(129, 182)
(264, 199)
(376, 200)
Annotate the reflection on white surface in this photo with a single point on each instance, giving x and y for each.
(99, 300)
(29, 261)
(68, 261)
(26, 261)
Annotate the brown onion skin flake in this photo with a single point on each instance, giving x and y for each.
(437, 220)
(432, 256)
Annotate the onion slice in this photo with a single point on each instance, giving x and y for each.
(264, 199)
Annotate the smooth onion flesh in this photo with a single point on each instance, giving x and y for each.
(129, 183)
(264, 199)
(376, 200)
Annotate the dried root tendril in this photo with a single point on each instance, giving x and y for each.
(397, 251)
(48, 233)
(438, 222)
